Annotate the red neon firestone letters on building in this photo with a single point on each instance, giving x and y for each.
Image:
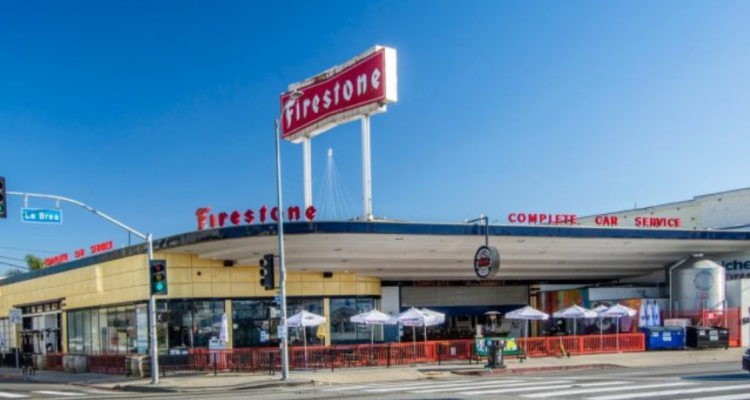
(235, 218)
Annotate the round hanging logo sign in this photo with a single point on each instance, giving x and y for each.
(486, 261)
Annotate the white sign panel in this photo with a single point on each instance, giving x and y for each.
(361, 86)
(15, 315)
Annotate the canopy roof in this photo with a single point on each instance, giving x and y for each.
(422, 251)
(411, 251)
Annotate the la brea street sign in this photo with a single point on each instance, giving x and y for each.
(361, 86)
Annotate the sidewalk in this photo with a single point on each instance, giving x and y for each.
(237, 381)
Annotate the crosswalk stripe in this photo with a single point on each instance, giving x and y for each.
(608, 389)
(423, 385)
(53, 393)
(12, 395)
(743, 396)
(486, 385)
(529, 389)
(336, 389)
(671, 392)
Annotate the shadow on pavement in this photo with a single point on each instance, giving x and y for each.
(723, 377)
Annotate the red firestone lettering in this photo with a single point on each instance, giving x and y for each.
(310, 213)
(223, 218)
(249, 216)
(201, 214)
(275, 214)
(235, 218)
(263, 212)
(292, 213)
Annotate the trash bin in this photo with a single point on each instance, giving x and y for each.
(707, 337)
(495, 353)
(668, 337)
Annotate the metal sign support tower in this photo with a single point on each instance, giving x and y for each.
(366, 168)
(307, 161)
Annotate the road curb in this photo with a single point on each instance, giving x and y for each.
(531, 370)
(170, 389)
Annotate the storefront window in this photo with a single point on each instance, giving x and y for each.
(6, 331)
(296, 336)
(255, 323)
(342, 329)
(192, 323)
(111, 330)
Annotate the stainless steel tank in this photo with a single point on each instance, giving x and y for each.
(699, 284)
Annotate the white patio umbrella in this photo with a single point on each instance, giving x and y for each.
(224, 329)
(303, 319)
(599, 310)
(372, 318)
(439, 320)
(414, 318)
(527, 314)
(618, 311)
(575, 312)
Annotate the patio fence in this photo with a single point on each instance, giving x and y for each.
(268, 360)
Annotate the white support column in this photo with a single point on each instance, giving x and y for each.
(307, 164)
(366, 168)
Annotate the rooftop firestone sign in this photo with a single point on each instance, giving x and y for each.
(362, 85)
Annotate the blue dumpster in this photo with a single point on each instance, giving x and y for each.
(668, 337)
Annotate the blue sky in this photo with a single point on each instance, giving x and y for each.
(148, 110)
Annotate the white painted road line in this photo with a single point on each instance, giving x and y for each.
(677, 392)
(541, 387)
(336, 389)
(422, 385)
(102, 392)
(744, 396)
(607, 389)
(487, 385)
(53, 393)
(12, 395)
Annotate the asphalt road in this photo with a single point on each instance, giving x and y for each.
(702, 382)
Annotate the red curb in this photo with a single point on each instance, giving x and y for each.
(532, 370)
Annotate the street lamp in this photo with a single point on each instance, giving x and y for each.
(282, 269)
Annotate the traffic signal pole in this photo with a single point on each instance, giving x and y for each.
(152, 317)
(149, 241)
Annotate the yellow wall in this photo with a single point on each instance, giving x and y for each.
(190, 276)
(120, 281)
(126, 280)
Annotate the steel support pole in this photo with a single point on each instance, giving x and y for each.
(307, 164)
(152, 318)
(282, 268)
(366, 168)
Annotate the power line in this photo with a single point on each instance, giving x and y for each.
(13, 258)
(34, 250)
(13, 265)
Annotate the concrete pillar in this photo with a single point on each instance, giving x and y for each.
(64, 332)
(230, 333)
(327, 314)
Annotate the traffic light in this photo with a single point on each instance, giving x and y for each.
(3, 196)
(266, 272)
(159, 277)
